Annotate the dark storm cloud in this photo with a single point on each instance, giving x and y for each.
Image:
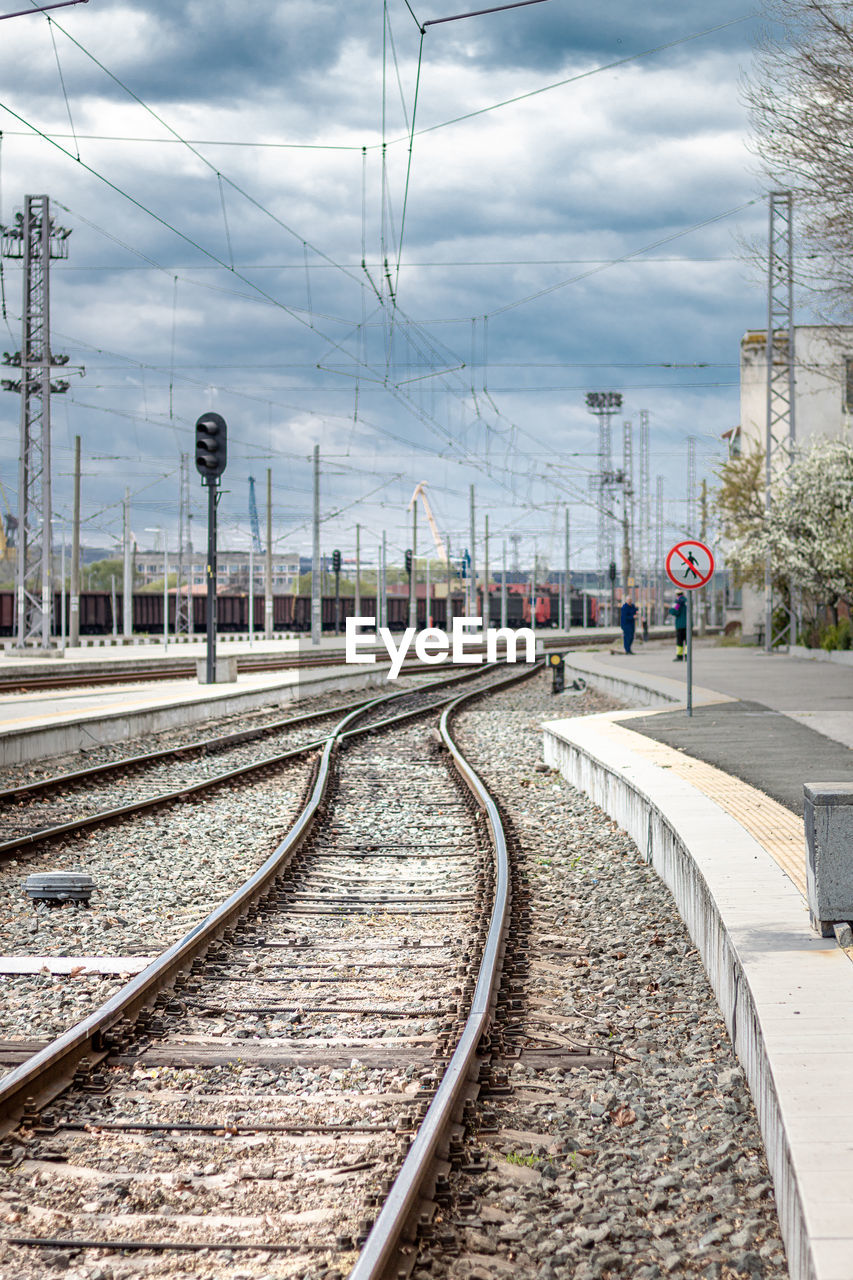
(588, 172)
(189, 51)
(545, 36)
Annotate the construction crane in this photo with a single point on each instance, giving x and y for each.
(420, 492)
(253, 518)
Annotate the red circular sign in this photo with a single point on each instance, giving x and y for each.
(690, 564)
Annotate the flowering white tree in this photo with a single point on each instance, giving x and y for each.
(808, 532)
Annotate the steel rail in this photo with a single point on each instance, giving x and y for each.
(43, 1075)
(197, 745)
(247, 664)
(377, 1258)
(8, 847)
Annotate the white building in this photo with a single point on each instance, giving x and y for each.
(232, 570)
(823, 406)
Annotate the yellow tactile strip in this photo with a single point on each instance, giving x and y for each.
(775, 828)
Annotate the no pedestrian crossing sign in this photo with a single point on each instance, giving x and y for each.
(690, 564)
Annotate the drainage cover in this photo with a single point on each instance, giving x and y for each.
(60, 886)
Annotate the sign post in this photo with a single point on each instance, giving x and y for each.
(690, 564)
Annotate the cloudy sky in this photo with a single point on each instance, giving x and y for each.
(419, 252)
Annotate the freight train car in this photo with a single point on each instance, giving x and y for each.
(293, 613)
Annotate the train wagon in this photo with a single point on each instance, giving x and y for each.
(293, 613)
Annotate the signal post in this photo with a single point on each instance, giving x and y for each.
(211, 456)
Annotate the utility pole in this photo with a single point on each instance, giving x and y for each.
(690, 524)
(644, 547)
(413, 579)
(427, 614)
(268, 618)
(251, 617)
(486, 596)
(383, 611)
(659, 554)
(316, 605)
(34, 238)
(472, 575)
(703, 537)
(503, 583)
(627, 503)
(533, 591)
(448, 624)
(74, 610)
(567, 582)
(357, 601)
(183, 603)
(127, 572)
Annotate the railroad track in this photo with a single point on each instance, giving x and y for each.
(283, 1083)
(48, 808)
(161, 669)
(157, 669)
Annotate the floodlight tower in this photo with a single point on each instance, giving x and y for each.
(604, 405)
(35, 239)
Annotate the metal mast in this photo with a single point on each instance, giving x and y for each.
(253, 518)
(780, 427)
(604, 404)
(659, 551)
(690, 518)
(644, 526)
(627, 506)
(183, 600)
(35, 240)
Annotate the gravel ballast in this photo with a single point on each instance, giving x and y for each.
(654, 1168)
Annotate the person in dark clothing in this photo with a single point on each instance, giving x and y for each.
(679, 613)
(627, 621)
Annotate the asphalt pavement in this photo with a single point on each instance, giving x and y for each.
(792, 722)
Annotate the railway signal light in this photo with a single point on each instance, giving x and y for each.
(211, 446)
(409, 562)
(336, 561)
(557, 664)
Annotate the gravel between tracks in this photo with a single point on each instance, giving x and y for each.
(196, 854)
(656, 1168)
(20, 774)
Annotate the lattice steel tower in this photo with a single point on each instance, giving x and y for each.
(780, 426)
(628, 557)
(35, 239)
(690, 522)
(604, 404)
(644, 523)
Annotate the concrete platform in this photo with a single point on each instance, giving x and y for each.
(734, 860)
(38, 726)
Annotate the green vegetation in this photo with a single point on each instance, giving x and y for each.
(530, 1161)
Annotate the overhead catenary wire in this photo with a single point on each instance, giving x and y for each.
(436, 374)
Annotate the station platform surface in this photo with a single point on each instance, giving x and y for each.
(784, 721)
(714, 803)
(39, 724)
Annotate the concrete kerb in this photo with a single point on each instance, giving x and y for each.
(120, 723)
(767, 969)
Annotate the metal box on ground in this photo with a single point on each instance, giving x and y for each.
(829, 853)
